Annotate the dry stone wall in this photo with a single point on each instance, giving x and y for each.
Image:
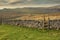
(42, 24)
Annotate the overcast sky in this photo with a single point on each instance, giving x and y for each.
(33, 3)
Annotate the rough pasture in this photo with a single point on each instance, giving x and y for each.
(9, 32)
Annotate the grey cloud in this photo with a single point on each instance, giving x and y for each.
(3, 2)
(37, 2)
(28, 2)
(17, 2)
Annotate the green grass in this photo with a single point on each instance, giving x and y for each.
(9, 32)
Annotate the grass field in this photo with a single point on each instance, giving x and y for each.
(9, 32)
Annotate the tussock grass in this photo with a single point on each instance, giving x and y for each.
(11, 32)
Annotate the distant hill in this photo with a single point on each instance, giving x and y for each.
(57, 6)
(24, 10)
